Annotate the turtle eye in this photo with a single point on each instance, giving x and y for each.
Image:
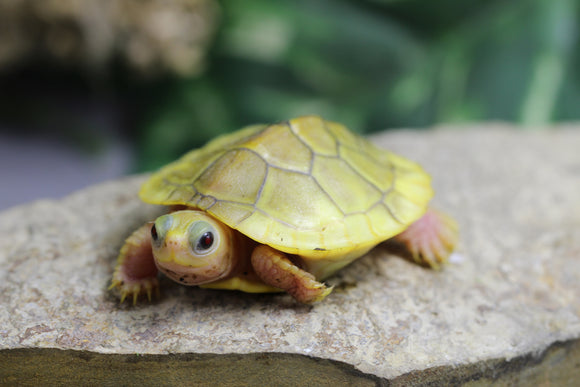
(205, 241)
(159, 229)
(154, 234)
(202, 238)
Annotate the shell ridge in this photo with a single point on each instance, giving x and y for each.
(194, 200)
(226, 152)
(390, 210)
(315, 182)
(210, 165)
(348, 164)
(254, 135)
(313, 153)
(389, 191)
(175, 186)
(327, 195)
(331, 134)
(275, 219)
(236, 225)
(261, 189)
(211, 197)
(289, 170)
(254, 131)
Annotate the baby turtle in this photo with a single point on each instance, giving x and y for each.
(280, 207)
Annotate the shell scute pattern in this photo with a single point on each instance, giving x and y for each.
(304, 205)
(303, 185)
(323, 141)
(228, 177)
(351, 184)
(280, 148)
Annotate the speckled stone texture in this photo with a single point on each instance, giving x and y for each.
(511, 292)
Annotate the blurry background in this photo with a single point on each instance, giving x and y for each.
(95, 89)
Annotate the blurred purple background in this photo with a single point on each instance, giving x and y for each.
(33, 167)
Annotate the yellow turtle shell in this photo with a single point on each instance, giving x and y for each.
(306, 186)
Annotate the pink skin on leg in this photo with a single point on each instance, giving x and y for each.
(136, 273)
(431, 239)
(275, 269)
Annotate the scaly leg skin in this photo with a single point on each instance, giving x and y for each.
(275, 269)
(136, 273)
(431, 239)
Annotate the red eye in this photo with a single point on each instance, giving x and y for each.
(202, 237)
(205, 241)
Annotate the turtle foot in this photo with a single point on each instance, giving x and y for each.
(431, 239)
(132, 289)
(275, 269)
(136, 274)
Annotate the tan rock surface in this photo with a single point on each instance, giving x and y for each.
(512, 289)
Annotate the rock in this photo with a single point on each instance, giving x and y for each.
(507, 308)
(152, 36)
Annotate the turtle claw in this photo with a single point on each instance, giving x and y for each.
(135, 273)
(133, 289)
(431, 239)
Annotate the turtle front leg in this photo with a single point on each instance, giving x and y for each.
(275, 269)
(431, 239)
(136, 273)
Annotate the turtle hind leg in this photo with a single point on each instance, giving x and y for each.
(275, 269)
(136, 273)
(431, 239)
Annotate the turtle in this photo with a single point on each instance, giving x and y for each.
(280, 207)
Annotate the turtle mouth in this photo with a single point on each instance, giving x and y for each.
(192, 275)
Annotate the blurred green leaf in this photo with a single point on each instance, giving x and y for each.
(374, 65)
(190, 114)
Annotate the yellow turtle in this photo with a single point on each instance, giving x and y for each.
(279, 208)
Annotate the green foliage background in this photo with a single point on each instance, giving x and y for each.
(370, 64)
(374, 65)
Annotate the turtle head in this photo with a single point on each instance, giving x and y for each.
(192, 248)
